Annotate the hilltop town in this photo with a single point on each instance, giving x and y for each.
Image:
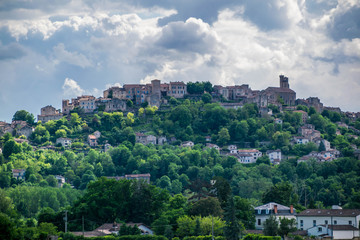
(185, 153)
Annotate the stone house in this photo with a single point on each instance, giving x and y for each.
(162, 140)
(19, 174)
(151, 139)
(65, 142)
(49, 113)
(304, 115)
(92, 140)
(141, 138)
(24, 130)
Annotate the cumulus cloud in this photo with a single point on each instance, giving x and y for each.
(193, 36)
(74, 58)
(314, 42)
(71, 88)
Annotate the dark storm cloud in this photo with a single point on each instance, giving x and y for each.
(190, 36)
(346, 25)
(11, 51)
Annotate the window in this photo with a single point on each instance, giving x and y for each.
(335, 222)
(259, 221)
(326, 221)
(350, 222)
(319, 229)
(301, 223)
(314, 223)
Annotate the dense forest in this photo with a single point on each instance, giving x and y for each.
(181, 199)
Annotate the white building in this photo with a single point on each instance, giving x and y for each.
(274, 156)
(334, 231)
(211, 145)
(232, 149)
(187, 144)
(264, 212)
(248, 155)
(301, 140)
(314, 217)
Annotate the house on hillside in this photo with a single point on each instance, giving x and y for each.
(19, 174)
(92, 140)
(300, 140)
(60, 180)
(232, 149)
(274, 156)
(211, 145)
(65, 142)
(248, 155)
(187, 144)
(263, 212)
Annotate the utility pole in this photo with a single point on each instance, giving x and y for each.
(83, 225)
(212, 227)
(66, 220)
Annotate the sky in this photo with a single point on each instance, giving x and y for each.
(60, 49)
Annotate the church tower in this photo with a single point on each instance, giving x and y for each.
(284, 82)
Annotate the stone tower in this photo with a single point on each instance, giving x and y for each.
(284, 82)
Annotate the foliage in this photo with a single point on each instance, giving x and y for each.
(271, 226)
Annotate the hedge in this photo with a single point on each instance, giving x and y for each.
(207, 237)
(113, 237)
(260, 237)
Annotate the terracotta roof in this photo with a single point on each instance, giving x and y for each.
(330, 212)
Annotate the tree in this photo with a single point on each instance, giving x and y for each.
(11, 147)
(206, 98)
(233, 228)
(7, 228)
(23, 115)
(245, 212)
(287, 226)
(280, 193)
(223, 136)
(271, 226)
(205, 207)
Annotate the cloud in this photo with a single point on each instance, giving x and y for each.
(346, 25)
(74, 58)
(71, 88)
(11, 51)
(192, 36)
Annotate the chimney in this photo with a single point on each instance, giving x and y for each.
(291, 209)
(275, 209)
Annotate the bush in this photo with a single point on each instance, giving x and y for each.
(260, 237)
(207, 237)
